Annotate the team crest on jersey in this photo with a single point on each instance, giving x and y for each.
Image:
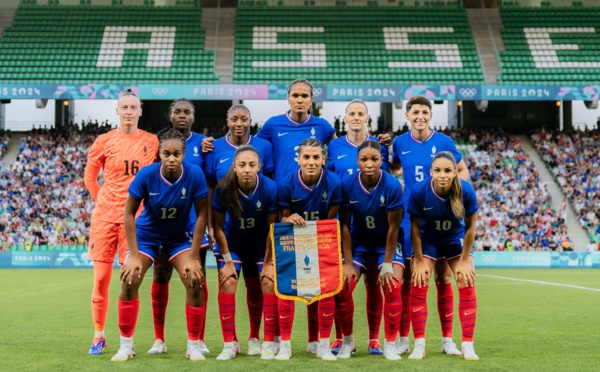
(144, 148)
(382, 200)
(312, 133)
(324, 196)
(183, 192)
(433, 151)
(258, 206)
(196, 151)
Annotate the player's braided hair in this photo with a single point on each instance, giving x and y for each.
(229, 185)
(456, 191)
(238, 106)
(172, 134)
(301, 81)
(370, 143)
(175, 102)
(311, 142)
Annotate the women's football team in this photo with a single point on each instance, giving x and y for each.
(226, 193)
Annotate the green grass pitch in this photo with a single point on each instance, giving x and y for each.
(45, 325)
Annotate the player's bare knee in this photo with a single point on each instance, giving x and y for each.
(229, 286)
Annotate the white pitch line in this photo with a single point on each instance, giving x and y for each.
(540, 282)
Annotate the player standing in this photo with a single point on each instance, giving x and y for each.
(413, 151)
(309, 194)
(181, 116)
(120, 154)
(244, 207)
(285, 133)
(443, 212)
(218, 163)
(370, 218)
(169, 189)
(342, 160)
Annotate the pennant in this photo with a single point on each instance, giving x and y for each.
(307, 260)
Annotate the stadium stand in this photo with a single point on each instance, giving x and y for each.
(43, 202)
(106, 44)
(550, 45)
(574, 160)
(372, 44)
(516, 211)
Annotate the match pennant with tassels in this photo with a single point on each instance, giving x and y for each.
(308, 260)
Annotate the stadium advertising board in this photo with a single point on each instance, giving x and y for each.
(375, 93)
(62, 260)
(537, 259)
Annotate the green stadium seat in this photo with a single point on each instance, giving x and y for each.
(62, 44)
(356, 51)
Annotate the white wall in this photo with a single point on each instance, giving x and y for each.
(22, 115)
(97, 109)
(582, 116)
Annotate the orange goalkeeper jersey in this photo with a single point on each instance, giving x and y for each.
(120, 156)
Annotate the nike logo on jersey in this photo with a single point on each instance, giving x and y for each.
(284, 316)
(448, 315)
(341, 156)
(417, 310)
(467, 313)
(426, 209)
(269, 319)
(226, 317)
(296, 200)
(393, 315)
(405, 152)
(154, 193)
(223, 160)
(281, 134)
(353, 201)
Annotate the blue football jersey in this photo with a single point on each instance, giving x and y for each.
(311, 204)
(286, 135)
(219, 161)
(167, 205)
(342, 155)
(415, 157)
(370, 208)
(252, 225)
(438, 223)
(193, 149)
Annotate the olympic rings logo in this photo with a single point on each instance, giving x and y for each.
(468, 92)
(488, 258)
(160, 91)
(317, 92)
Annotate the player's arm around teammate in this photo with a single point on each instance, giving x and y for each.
(169, 189)
(370, 218)
(438, 209)
(244, 207)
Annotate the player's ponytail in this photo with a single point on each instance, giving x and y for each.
(456, 191)
(229, 185)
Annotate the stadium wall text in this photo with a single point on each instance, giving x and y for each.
(376, 93)
(17, 259)
(63, 260)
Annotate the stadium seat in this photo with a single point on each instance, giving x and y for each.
(376, 45)
(550, 45)
(100, 44)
